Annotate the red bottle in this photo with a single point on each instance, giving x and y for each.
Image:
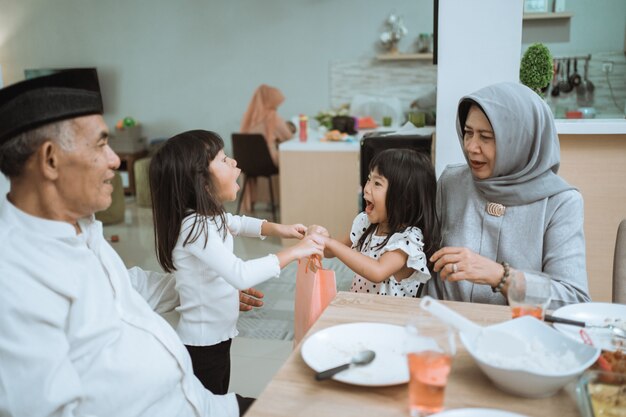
(304, 121)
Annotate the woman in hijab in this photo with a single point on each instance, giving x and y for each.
(262, 117)
(507, 207)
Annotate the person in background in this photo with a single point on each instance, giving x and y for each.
(80, 334)
(262, 117)
(190, 180)
(507, 207)
(390, 242)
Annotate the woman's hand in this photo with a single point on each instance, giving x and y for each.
(457, 264)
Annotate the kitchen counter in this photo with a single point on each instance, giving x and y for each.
(591, 126)
(315, 144)
(593, 159)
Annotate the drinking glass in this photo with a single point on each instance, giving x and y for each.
(430, 346)
(529, 294)
(417, 118)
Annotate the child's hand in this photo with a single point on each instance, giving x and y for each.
(288, 231)
(314, 228)
(310, 245)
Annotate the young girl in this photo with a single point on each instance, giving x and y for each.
(391, 241)
(190, 179)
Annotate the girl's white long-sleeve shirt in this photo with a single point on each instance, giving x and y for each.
(209, 276)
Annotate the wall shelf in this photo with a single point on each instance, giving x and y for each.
(548, 16)
(404, 57)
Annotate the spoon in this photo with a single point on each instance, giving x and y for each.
(478, 338)
(617, 331)
(362, 358)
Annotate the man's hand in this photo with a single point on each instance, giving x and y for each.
(250, 298)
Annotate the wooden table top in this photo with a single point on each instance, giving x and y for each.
(294, 391)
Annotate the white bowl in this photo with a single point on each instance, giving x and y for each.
(511, 375)
(588, 112)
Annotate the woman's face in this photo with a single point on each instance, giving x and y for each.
(479, 144)
(224, 174)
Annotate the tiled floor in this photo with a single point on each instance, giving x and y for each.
(253, 361)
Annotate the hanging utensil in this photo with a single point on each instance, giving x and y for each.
(575, 79)
(555, 79)
(584, 92)
(565, 85)
(590, 87)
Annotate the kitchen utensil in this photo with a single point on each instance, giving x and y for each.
(596, 314)
(564, 85)
(617, 331)
(590, 86)
(478, 335)
(555, 81)
(362, 358)
(575, 79)
(586, 88)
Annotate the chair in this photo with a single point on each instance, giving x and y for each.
(253, 158)
(374, 143)
(142, 182)
(115, 212)
(619, 265)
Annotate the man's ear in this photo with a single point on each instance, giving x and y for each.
(48, 158)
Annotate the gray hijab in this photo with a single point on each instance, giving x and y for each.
(527, 145)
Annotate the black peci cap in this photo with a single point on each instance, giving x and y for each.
(35, 102)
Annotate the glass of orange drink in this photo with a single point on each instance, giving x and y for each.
(430, 346)
(529, 294)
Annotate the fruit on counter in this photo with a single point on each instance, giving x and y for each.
(367, 123)
(125, 122)
(334, 136)
(129, 121)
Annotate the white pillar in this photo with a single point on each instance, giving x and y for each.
(479, 43)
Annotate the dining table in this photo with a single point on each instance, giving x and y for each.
(294, 391)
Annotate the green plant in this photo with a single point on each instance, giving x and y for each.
(536, 67)
(325, 117)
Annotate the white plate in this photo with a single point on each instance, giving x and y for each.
(335, 345)
(591, 313)
(476, 412)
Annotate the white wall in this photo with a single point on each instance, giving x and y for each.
(178, 65)
(479, 44)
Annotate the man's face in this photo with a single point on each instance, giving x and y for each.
(86, 170)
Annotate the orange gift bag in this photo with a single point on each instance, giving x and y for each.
(315, 288)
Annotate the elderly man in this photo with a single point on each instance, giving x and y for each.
(78, 332)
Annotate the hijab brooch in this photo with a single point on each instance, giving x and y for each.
(495, 209)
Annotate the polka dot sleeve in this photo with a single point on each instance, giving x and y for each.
(411, 242)
(359, 225)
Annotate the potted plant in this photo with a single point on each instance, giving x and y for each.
(536, 69)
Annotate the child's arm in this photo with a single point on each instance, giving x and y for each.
(287, 231)
(375, 270)
(220, 259)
